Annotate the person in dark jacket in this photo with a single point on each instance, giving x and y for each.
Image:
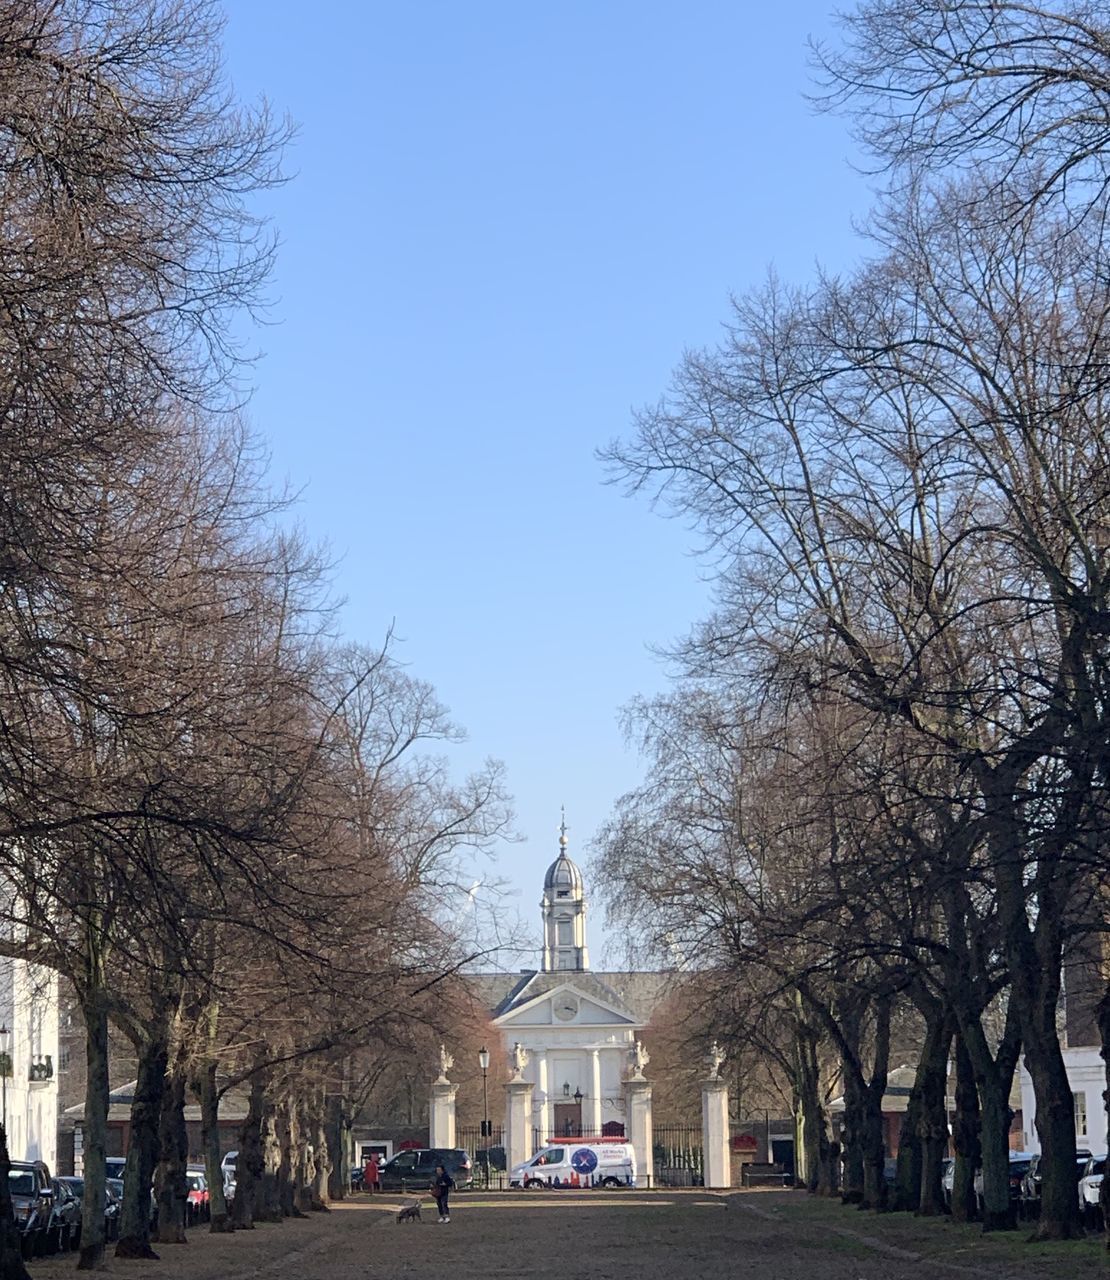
(442, 1186)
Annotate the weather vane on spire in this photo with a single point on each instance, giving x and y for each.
(563, 827)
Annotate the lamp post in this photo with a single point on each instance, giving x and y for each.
(578, 1104)
(487, 1133)
(6, 1063)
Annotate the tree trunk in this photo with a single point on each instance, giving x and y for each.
(248, 1168)
(174, 1157)
(210, 1137)
(11, 1253)
(874, 1146)
(966, 1137)
(828, 1178)
(934, 1119)
(1055, 1120)
(287, 1170)
(852, 1137)
(1034, 956)
(907, 1177)
(811, 1129)
(94, 1011)
(142, 1152)
(305, 1165)
(338, 1143)
(267, 1197)
(322, 1160)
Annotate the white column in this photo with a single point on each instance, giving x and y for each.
(638, 1106)
(441, 1128)
(714, 1130)
(518, 1122)
(594, 1125)
(546, 1114)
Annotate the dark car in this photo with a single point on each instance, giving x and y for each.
(113, 1210)
(111, 1204)
(32, 1193)
(414, 1170)
(64, 1228)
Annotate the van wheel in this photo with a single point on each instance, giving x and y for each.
(534, 1184)
(610, 1182)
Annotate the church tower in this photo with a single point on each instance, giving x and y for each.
(564, 914)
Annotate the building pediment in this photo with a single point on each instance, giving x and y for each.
(551, 1000)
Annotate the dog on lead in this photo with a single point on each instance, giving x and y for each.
(409, 1213)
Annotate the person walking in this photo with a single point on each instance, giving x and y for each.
(442, 1186)
(370, 1175)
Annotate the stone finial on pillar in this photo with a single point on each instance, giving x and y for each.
(441, 1108)
(717, 1168)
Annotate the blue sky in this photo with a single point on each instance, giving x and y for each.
(506, 223)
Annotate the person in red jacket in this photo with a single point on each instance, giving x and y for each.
(370, 1175)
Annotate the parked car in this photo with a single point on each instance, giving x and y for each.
(196, 1196)
(1019, 1167)
(416, 1168)
(356, 1177)
(1030, 1199)
(947, 1177)
(494, 1157)
(32, 1193)
(64, 1228)
(115, 1207)
(228, 1165)
(113, 1197)
(1090, 1188)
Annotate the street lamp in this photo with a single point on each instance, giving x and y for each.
(6, 1063)
(487, 1129)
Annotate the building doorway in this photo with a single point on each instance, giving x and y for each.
(568, 1120)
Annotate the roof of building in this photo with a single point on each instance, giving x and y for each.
(233, 1105)
(635, 994)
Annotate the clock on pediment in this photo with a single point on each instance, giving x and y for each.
(566, 1007)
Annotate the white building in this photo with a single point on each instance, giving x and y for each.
(1087, 1077)
(1085, 976)
(28, 1060)
(578, 1028)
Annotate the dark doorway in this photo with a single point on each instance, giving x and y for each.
(568, 1120)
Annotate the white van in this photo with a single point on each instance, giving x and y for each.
(578, 1164)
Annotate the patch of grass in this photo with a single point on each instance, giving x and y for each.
(940, 1240)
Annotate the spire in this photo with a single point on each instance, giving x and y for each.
(564, 910)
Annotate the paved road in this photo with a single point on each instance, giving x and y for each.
(584, 1236)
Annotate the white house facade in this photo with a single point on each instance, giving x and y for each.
(1087, 1077)
(28, 1060)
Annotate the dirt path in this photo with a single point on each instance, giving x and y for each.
(746, 1236)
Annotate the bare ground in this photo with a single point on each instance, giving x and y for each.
(618, 1236)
